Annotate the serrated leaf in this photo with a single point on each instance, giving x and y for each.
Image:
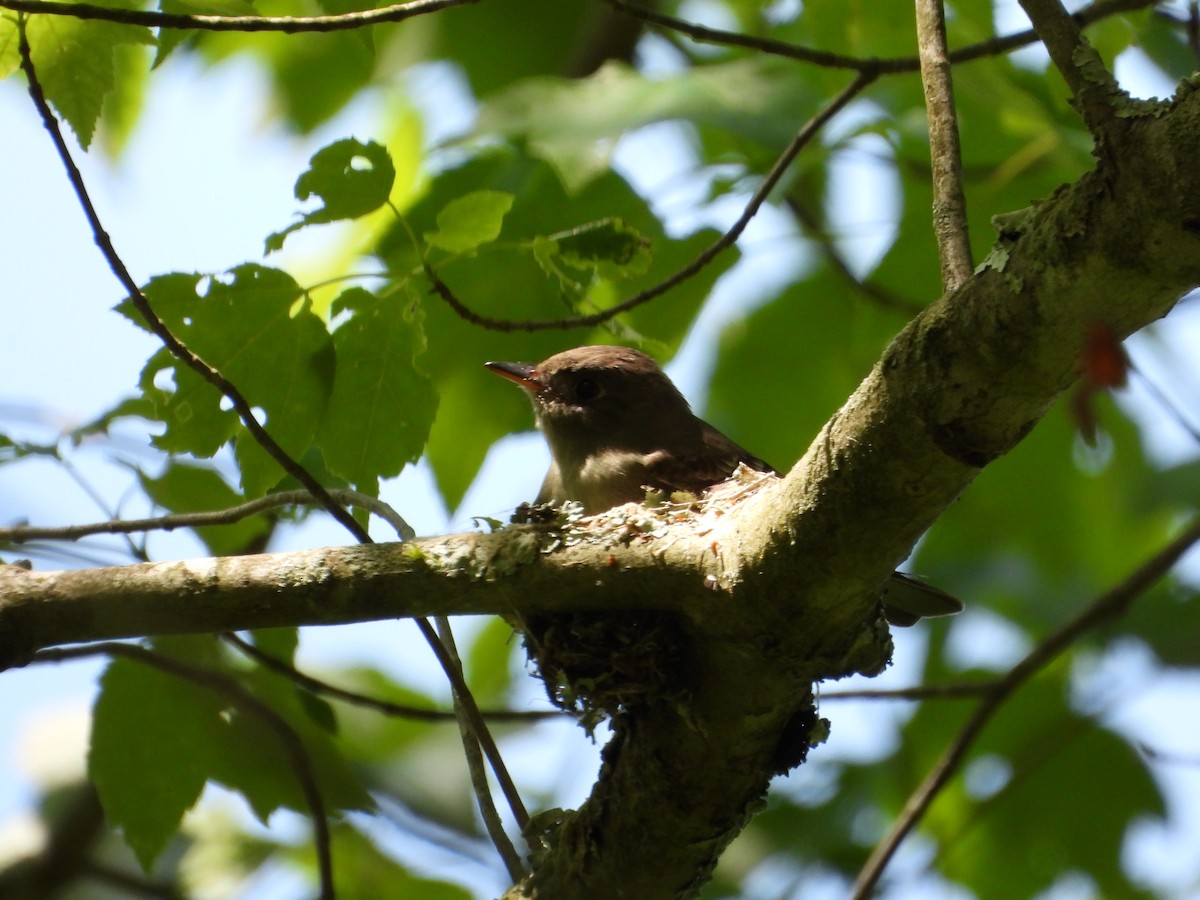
(248, 325)
(73, 59)
(351, 179)
(382, 405)
(152, 748)
(468, 222)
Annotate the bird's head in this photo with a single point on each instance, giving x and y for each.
(602, 397)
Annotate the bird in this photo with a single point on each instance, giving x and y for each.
(617, 425)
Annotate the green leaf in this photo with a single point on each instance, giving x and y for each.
(184, 488)
(280, 643)
(249, 326)
(487, 661)
(10, 42)
(258, 761)
(154, 739)
(609, 248)
(73, 59)
(363, 872)
(775, 411)
(481, 41)
(1076, 527)
(351, 179)
(1047, 811)
(466, 223)
(574, 122)
(382, 405)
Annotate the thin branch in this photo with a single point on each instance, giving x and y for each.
(878, 65)
(20, 533)
(949, 202)
(962, 691)
(1093, 87)
(1109, 605)
(726, 240)
(397, 12)
(487, 809)
(153, 322)
(386, 707)
(229, 688)
(470, 712)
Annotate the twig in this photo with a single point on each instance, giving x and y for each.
(879, 65)
(963, 691)
(396, 12)
(470, 712)
(386, 707)
(726, 240)
(487, 809)
(1092, 86)
(949, 203)
(20, 533)
(1108, 606)
(229, 688)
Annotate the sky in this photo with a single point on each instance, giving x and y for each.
(197, 191)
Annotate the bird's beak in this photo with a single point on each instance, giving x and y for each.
(518, 373)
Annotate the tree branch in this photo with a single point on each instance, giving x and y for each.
(949, 202)
(384, 707)
(397, 12)
(878, 65)
(18, 534)
(1093, 87)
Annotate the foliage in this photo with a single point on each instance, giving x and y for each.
(526, 218)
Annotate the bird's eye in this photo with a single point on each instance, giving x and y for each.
(586, 389)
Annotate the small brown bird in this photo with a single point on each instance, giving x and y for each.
(616, 425)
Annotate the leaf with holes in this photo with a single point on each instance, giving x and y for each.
(251, 326)
(350, 177)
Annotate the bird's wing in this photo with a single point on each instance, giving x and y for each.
(905, 600)
(695, 472)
